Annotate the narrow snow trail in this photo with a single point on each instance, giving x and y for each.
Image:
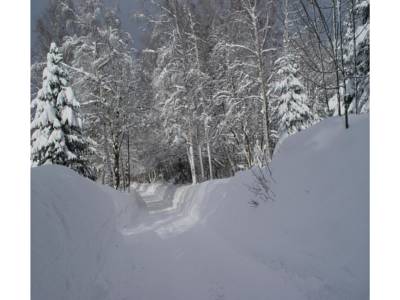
(158, 197)
(204, 242)
(171, 209)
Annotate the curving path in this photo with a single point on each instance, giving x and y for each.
(170, 209)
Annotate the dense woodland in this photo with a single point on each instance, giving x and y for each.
(213, 88)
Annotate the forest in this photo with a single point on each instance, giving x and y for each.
(200, 149)
(207, 89)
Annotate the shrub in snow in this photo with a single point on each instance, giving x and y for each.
(57, 127)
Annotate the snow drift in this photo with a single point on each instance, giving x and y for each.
(206, 241)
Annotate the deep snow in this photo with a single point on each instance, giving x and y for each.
(206, 241)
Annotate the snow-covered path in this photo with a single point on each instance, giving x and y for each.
(171, 209)
(157, 197)
(205, 241)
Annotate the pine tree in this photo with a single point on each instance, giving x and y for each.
(290, 110)
(56, 127)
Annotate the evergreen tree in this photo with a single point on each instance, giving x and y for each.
(291, 112)
(56, 127)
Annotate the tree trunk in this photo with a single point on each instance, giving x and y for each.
(107, 160)
(208, 149)
(190, 154)
(201, 161)
(354, 54)
(346, 105)
(122, 172)
(262, 80)
(116, 166)
(323, 78)
(335, 54)
(247, 149)
(231, 163)
(129, 165)
(209, 160)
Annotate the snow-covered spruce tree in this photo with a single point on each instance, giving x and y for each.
(56, 127)
(290, 110)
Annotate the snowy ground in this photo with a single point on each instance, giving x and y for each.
(206, 241)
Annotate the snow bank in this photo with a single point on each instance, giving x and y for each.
(316, 232)
(75, 225)
(207, 242)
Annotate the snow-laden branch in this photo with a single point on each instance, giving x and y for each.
(87, 74)
(268, 50)
(241, 47)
